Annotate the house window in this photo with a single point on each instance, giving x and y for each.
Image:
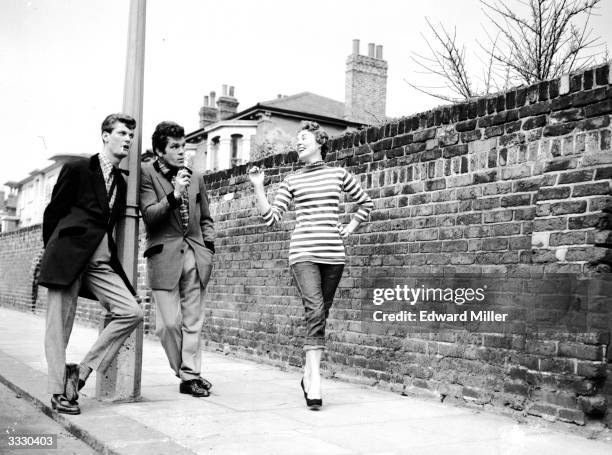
(236, 149)
(214, 152)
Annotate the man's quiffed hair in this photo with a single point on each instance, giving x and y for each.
(163, 131)
(320, 134)
(110, 120)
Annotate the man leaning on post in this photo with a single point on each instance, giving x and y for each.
(80, 259)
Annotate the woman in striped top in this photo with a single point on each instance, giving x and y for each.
(316, 250)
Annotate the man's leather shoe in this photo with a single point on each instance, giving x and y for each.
(71, 382)
(61, 404)
(193, 387)
(204, 383)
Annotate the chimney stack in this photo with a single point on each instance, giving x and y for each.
(366, 85)
(215, 110)
(208, 112)
(228, 105)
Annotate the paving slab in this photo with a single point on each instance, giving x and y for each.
(256, 408)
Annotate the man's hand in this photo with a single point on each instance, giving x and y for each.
(181, 183)
(256, 176)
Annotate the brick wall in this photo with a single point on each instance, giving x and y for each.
(514, 189)
(19, 253)
(514, 185)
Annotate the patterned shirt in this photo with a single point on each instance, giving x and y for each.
(109, 179)
(184, 205)
(316, 191)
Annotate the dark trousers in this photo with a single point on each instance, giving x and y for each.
(317, 285)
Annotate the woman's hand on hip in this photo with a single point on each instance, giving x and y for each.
(345, 231)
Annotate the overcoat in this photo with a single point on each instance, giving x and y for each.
(75, 222)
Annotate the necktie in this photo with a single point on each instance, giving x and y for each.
(112, 187)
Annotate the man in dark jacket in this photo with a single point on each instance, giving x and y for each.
(80, 259)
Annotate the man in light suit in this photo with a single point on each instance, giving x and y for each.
(80, 258)
(179, 252)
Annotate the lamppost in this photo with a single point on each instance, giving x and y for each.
(121, 381)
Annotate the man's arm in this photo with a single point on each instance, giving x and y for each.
(206, 221)
(62, 198)
(154, 211)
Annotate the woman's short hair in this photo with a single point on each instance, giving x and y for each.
(320, 134)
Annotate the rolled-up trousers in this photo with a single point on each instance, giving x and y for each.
(111, 291)
(317, 285)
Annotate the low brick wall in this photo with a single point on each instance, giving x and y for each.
(513, 188)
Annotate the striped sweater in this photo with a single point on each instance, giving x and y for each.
(315, 190)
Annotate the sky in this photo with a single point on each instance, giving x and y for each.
(62, 62)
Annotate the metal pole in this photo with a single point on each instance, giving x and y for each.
(121, 380)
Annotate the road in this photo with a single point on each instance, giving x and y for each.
(17, 415)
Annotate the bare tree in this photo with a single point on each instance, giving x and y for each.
(447, 61)
(545, 44)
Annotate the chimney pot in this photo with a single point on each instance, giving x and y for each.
(379, 54)
(371, 49)
(231, 91)
(355, 47)
(206, 101)
(224, 87)
(212, 99)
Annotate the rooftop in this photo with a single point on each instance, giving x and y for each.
(308, 102)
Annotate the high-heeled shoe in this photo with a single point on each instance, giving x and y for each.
(303, 389)
(315, 403)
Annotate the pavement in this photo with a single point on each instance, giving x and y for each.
(256, 408)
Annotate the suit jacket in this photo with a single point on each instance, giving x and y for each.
(165, 233)
(75, 222)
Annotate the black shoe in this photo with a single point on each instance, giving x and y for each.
(204, 383)
(61, 404)
(71, 382)
(315, 403)
(193, 388)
